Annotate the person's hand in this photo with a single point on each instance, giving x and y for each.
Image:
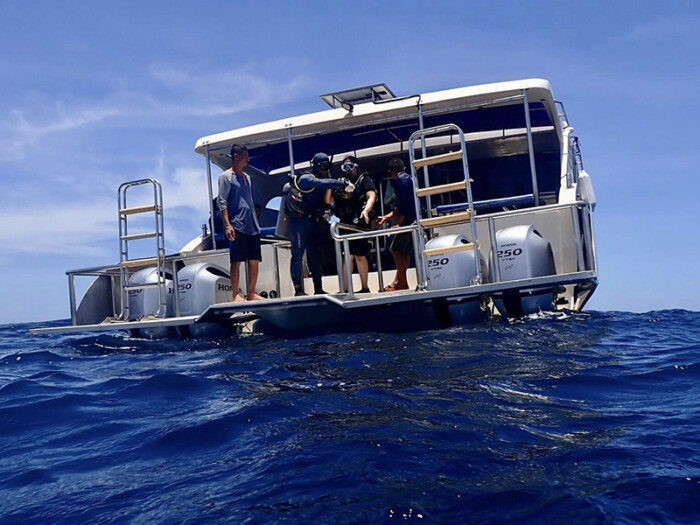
(365, 215)
(349, 187)
(230, 233)
(381, 220)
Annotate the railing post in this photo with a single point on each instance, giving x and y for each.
(566, 164)
(494, 250)
(276, 261)
(176, 290)
(291, 151)
(71, 298)
(588, 235)
(338, 257)
(426, 178)
(421, 270)
(348, 267)
(380, 275)
(531, 149)
(211, 201)
(577, 236)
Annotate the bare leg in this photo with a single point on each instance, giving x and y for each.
(402, 262)
(253, 266)
(363, 270)
(235, 282)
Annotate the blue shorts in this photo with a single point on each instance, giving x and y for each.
(245, 248)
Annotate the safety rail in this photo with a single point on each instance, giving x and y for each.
(113, 272)
(367, 234)
(582, 226)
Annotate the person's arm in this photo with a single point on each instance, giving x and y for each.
(371, 199)
(328, 199)
(230, 232)
(383, 218)
(308, 181)
(222, 199)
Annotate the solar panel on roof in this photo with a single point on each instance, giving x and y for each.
(349, 97)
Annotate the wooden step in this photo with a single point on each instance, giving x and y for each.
(446, 219)
(133, 263)
(139, 209)
(443, 188)
(142, 286)
(437, 159)
(133, 237)
(430, 252)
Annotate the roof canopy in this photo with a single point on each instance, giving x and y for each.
(474, 109)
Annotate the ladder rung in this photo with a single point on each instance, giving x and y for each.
(141, 286)
(449, 249)
(139, 209)
(133, 237)
(437, 159)
(446, 219)
(139, 262)
(443, 188)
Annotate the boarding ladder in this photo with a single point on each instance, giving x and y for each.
(126, 264)
(430, 222)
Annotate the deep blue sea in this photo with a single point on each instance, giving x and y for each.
(560, 418)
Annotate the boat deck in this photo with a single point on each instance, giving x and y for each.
(322, 310)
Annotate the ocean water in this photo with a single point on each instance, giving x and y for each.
(591, 417)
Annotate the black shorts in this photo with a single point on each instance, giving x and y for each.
(403, 243)
(245, 248)
(360, 247)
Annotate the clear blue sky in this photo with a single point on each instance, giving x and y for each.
(96, 93)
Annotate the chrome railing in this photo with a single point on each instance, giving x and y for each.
(344, 240)
(582, 227)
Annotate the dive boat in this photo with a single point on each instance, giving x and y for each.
(504, 222)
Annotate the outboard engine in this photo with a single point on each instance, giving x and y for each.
(199, 286)
(145, 301)
(522, 254)
(452, 265)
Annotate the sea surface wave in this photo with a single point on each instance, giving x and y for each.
(587, 417)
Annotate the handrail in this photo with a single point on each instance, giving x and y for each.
(365, 234)
(370, 233)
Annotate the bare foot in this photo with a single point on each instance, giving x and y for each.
(391, 287)
(239, 299)
(254, 297)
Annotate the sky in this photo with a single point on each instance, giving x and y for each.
(93, 94)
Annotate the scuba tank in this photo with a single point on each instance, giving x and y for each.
(294, 203)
